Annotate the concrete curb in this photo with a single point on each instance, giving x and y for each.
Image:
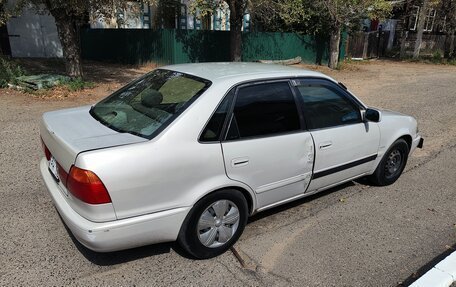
(441, 275)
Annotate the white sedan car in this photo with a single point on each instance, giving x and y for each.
(189, 152)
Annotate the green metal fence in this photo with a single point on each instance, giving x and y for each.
(279, 46)
(135, 46)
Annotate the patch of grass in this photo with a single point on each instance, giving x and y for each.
(9, 70)
(78, 84)
(350, 64)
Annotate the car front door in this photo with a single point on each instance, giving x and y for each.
(265, 145)
(345, 145)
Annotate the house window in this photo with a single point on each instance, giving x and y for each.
(413, 20)
(429, 21)
(441, 26)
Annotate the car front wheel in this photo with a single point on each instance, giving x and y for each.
(392, 164)
(214, 224)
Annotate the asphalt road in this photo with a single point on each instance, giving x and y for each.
(354, 235)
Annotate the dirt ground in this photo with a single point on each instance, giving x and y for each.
(107, 77)
(354, 235)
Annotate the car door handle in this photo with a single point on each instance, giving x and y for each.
(325, 145)
(238, 162)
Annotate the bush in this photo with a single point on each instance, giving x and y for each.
(9, 71)
(436, 56)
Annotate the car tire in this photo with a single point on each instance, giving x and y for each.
(214, 224)
(392, 164)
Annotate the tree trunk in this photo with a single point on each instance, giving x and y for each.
(403, 42)
(449, 44)
(236, 17)
(68, 30)
(334, 42)
(420, 29)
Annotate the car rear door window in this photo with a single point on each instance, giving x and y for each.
(264, 110)
(324, 107)
(213, 129)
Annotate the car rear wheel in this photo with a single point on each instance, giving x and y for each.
(392, 164)
(214, 224)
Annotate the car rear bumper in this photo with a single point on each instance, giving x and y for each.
(418, 142)
(115, 235)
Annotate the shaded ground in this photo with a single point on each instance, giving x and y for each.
(354, 235)
(107, 77)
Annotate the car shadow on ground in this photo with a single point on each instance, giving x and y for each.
(119, 257)
(303, 200)
(124, 256)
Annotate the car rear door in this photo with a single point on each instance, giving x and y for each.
(345, 145)
(265, 145)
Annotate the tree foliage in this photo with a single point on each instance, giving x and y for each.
(448, 14)
(237, 9)
(6, 11)
(69, 16)
(3, 14)
(321, 17)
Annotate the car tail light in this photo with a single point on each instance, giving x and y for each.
(87, 186)
(62, 174)
(47, 153)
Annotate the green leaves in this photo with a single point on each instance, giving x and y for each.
(202, 8)
(9, 71)
(319, 16)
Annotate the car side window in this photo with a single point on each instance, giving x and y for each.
(264, 110)
(325, 107)
(213, 129)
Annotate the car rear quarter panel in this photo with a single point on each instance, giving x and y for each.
(172, 170)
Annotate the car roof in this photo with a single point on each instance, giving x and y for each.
(226, 71)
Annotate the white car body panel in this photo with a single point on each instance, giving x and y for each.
(154, 183)
(395, 125)
(276, 168)
(69, 132)
(344, 145)
(118, 234)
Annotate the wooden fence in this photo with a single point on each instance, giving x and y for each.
(367, 45)
(430, 45)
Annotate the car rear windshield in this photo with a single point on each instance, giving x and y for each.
(147, 105)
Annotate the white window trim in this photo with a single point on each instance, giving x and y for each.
(442, 28)
(418, 8)
(430, 15)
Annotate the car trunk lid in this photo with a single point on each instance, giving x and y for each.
(66, 133)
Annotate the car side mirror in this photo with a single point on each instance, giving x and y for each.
(372, 115)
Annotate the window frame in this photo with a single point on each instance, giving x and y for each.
(430, 15)
(442, 29)
(415, 17)
(230, 113)
(293, 82)
(168, 122)
(336, 88)
(230, 93)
